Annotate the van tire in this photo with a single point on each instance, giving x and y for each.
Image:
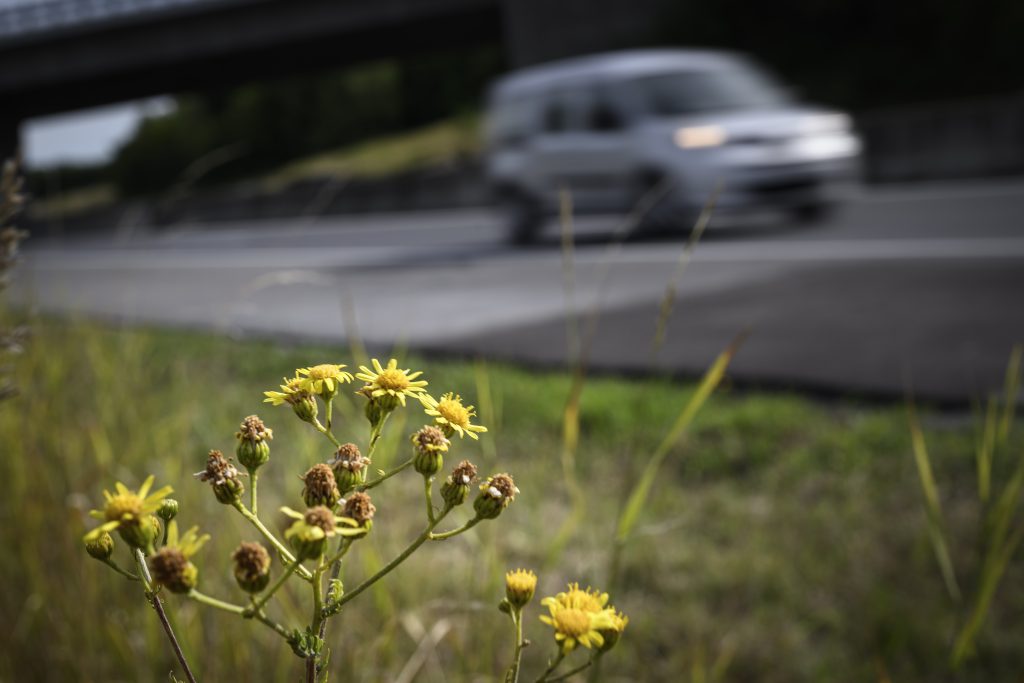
(523, 217)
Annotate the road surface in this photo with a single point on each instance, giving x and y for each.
(918, 286)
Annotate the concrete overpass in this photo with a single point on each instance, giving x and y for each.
(60, 55)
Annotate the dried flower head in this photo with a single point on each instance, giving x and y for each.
(251, 567)
(359, 508)
(455, 489)
(519, 587)
(131, 513)
(171, 565)
(349, 467)
(320, 487)
(390, 385)
(309, 532)
(429, 446)
(252, 450)
(223, 477)
(324, 380)
(452, 415)
(496, 494)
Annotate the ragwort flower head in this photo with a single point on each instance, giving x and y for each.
(496, 494)
(253, 451)
(429, 446)
(359, 508)
(292, 393)
(389, 386)
(451, 415)
(131, 513)
(171, 565)
(223, 477)
(251, 567)
(611, 634)
(349, 467)
(520, 586)
(320, 487)
(579, 618)
(309, 532)
(455, 489)
(324, 380)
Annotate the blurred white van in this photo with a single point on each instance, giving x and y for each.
(611, 127)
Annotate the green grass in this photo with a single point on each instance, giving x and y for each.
(434, 145)
(784, 539)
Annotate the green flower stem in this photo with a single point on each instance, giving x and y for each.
(428, 493)
(517, 653)
(326, 432)
(257, 605)
(387, 475)
(318, 617)
(552, 665)
(123, 572)
(214, 602)
(290, 559)
(455, 532)
(329, 411)
(254, 501)
(420, 540)
(166, 525)
(345, 544)
(578, 669)
(257, 614)
(154, 600)
(376, 431)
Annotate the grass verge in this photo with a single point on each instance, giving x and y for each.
(784, 540)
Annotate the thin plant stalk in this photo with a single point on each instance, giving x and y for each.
(154, 600)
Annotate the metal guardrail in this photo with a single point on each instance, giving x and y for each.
(22, 17)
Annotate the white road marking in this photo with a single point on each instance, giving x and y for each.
(758, 251)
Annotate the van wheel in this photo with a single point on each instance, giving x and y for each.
(523, 218)
(669, 212)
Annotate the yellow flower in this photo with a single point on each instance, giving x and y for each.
(612, 633)
(520, 586)
(390, 381)
(127, 510)
(291, 392)
(579, 617)
(452, 415)
(323, 379)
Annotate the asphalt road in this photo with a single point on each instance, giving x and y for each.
(912, 286)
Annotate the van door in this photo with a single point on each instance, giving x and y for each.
(584, 147)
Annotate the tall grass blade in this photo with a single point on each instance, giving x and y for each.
(668, 300)
(932, 506)
(986, 450)
(712, 378)
(1010, 389)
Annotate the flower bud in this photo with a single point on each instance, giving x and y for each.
(359, 508)
(252, 567)
(252, 450)
(172, 569)
(168, 509)
(308, 535)
(320, 488)
(349, 467)
(305, 407)
(519, 587)
(223, 477)
(495, 495)
(455, 489)
(100, 547)
(141, 533)
(611, 633)
(429, 446)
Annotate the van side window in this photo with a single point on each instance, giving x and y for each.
(604, 117)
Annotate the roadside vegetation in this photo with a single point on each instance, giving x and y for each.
(783, 540)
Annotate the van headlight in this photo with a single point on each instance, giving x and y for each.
(694, 137)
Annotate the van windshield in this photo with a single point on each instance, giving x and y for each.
(688, 92)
